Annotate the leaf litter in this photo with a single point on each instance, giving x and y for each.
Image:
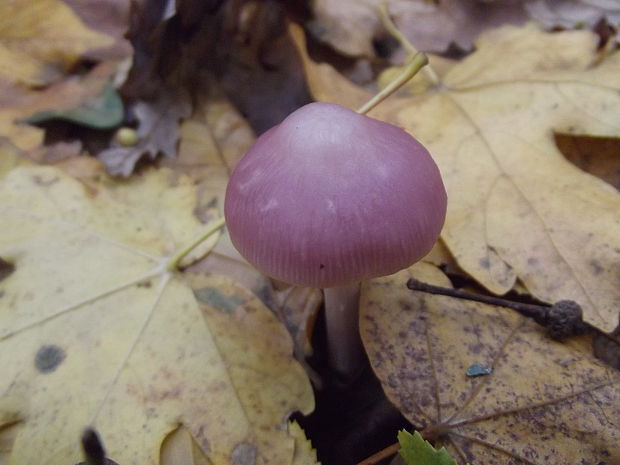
(158, 132)
(517, 208)
(212, 134)
(543, 403)
(95, 330)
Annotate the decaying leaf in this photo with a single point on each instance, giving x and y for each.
(110, 17)
(573, 13)
(104, 111)
(40, 39)
(17, 104)
(543, 403)
(95, 331)
(516, 207)
(352, 26)
(158, 132)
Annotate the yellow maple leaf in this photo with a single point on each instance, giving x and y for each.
(516, 207)
(94, 330)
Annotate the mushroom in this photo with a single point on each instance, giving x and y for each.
(329, 198)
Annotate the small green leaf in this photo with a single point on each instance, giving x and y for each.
(103, 112)
(416, 451)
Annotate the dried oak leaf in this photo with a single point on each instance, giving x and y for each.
(94, 331)
(40, 39)
(158, 132)
(516, 206)
(543, 403)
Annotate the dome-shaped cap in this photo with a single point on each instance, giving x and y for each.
(330, 197)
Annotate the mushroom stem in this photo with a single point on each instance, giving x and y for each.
(344, 344)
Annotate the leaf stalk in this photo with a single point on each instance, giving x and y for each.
(415, 65)
(214, 227)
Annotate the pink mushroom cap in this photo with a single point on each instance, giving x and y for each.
(330, 197)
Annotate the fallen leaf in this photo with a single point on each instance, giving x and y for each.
(416, 451)
(325, 83)
(516, 207)
(544, 402)
(179, 448)
(40, 39)
(10, 157)
(65, 95)
(352, 26)
(304, 452)
(599, 156)
(95, 331)
(104, 111)
(211, 142)
(110, 17)
(158, 132)
(573, 13)
(263, 76)
(298, 308)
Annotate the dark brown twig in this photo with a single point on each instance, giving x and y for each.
(562, 319)
(381, 455)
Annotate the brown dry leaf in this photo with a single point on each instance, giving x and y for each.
(17, 103)
(298, 308)
(544, 403)
(516, 207)
(94, 330)
(158, 132)
(351, 26)
(573, 13)
(40, 39)
(325, 83)
(110, 17)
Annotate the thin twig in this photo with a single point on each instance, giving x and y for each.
(389, 25)
(173, 263)
(562, 319)
(533, 311)
(382, 454)
(415, 65)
